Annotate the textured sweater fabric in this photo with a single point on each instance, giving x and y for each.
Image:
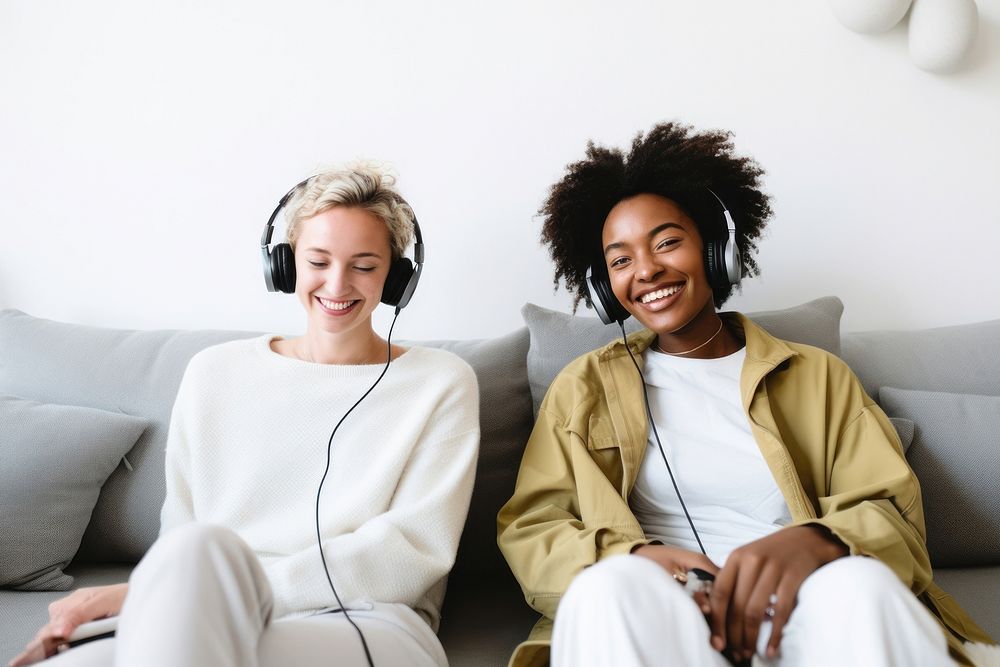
(248, 445)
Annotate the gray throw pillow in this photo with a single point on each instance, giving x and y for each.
(904, 429)
(956, 457)
(55, 459)
(559, 338)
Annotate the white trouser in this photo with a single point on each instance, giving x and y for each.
(200, 598)
(627, 611)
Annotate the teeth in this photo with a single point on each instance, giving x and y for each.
(336, 305)
(659, 294)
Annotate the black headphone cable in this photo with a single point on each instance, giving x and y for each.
(652, 424)
(329, 451)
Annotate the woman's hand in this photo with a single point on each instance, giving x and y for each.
(677, 562)
(80, 606)
(776, 566)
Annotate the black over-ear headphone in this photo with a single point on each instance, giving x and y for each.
(279, 262)
(722, 266)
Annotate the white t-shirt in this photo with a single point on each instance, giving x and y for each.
(726, 484)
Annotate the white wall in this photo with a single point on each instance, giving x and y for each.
(142, 146)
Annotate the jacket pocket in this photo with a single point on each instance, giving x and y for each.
(600, 434)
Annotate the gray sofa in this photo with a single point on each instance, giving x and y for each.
(84, 410)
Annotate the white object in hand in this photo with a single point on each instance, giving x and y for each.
(93, 628)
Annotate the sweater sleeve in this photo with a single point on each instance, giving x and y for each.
(398, 555)
(178, 505)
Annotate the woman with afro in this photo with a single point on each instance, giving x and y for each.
(739, 498)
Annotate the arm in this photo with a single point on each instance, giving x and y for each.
(867, 502)
(544, 533)
(873, 502)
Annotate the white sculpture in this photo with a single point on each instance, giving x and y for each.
(869, 16)
(942, 33)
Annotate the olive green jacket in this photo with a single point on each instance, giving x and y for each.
(835, 457)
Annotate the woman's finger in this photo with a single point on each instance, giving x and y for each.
(786, 594)
(38, 649)
(722, 589)
(748, 567)
(760, 606)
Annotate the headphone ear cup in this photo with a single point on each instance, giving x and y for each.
(722, 263)
(603, 298)
(399, 277)
(715, 266)
(283, 268)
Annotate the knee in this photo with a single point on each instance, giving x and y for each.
(621, 577)
(192, 543)
(856, 582)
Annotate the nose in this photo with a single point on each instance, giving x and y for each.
(336, 279)
(647, 268)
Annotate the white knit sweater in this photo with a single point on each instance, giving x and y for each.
(247, 448)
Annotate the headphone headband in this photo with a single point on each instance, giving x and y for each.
(279, 260)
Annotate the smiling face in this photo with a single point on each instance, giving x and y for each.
(342, 258)
(654, 255)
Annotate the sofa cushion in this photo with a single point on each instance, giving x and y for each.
(962, 359)
(558, 338)
(132, 372)
(977, 589)
(904, 428)
(956, 458)
(55, 459)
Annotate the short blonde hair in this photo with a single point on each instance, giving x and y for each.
(365, 185)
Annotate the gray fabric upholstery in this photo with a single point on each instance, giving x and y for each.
(134, 372)
(55, 459)
(956, 456)
(963, 359)
(977, 589)
(482, 629)
(558, 338)
(905, 428)
(815, 323)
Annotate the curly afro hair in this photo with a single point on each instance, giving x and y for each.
(672, 161)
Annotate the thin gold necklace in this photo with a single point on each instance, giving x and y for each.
(693, 349)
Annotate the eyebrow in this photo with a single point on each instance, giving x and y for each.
(356, 255)
(652, 233)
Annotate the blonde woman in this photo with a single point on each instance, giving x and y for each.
(253, 566)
